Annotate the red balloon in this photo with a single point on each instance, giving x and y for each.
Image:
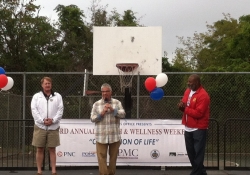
(150, 84)
(3, 80)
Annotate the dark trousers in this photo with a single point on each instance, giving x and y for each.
(195, 146)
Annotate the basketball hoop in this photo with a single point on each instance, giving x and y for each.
(126, 73)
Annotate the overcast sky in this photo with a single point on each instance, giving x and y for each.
(177, 17)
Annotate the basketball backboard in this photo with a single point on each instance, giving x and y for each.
(113, 45)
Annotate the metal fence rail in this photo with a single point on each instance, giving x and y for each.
(212, 156)
(16, 151)
(228, 91)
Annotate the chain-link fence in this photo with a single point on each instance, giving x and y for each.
(236, 143)
(229, 93)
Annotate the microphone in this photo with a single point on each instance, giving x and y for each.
(106, 100)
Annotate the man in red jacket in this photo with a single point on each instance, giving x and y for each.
(195, 106)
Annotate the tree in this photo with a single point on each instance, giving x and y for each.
(25, 37)
(210, 49)
(99, 15)
(128, 19)
(239, 46)
(75, 43)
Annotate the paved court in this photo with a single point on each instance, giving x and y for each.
(127, 172)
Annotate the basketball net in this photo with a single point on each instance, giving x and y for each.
(126, 74)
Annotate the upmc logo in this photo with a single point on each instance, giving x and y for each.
(128, 153)
(65, 154)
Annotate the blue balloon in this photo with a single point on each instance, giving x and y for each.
(157, 94)
(2, 71)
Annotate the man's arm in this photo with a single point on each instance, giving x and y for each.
(119, 111)
(95, 115)
(60, 109)
(35, 113)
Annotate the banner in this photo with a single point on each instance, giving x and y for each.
(144, 143)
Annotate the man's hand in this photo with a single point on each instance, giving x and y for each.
(104, 111)
(48, 121)
(107, 108)
(181, 105)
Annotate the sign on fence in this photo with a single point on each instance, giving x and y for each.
(143, 143)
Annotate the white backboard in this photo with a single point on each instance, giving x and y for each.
(142, 45)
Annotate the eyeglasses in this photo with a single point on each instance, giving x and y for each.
(105, 91)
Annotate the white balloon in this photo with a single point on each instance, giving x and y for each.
(161, 79)
(9, 85)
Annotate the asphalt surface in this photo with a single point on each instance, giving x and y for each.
(128, 172)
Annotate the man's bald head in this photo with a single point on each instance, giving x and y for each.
(194, 82)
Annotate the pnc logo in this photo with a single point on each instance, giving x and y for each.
(65, 154)
(59, 154)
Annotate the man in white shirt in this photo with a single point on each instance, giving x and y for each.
(47, 110)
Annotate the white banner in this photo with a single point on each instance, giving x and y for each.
(144, 143)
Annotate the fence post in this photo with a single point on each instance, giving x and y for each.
(24, 109)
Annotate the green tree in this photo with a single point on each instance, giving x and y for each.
(75, 44)
(25, 37)
(239, 46)
(128, 19)
(210, 50)
(99, 15)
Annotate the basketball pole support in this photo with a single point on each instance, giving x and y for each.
(127, 102)
(138, 96)
(126, 84)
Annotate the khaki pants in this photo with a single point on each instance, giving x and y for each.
(102, 150)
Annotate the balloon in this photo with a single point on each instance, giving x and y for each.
(3, 80)
(161, 79)
(157, 94)
(150, 84)
(9, 84)
(2, 71)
